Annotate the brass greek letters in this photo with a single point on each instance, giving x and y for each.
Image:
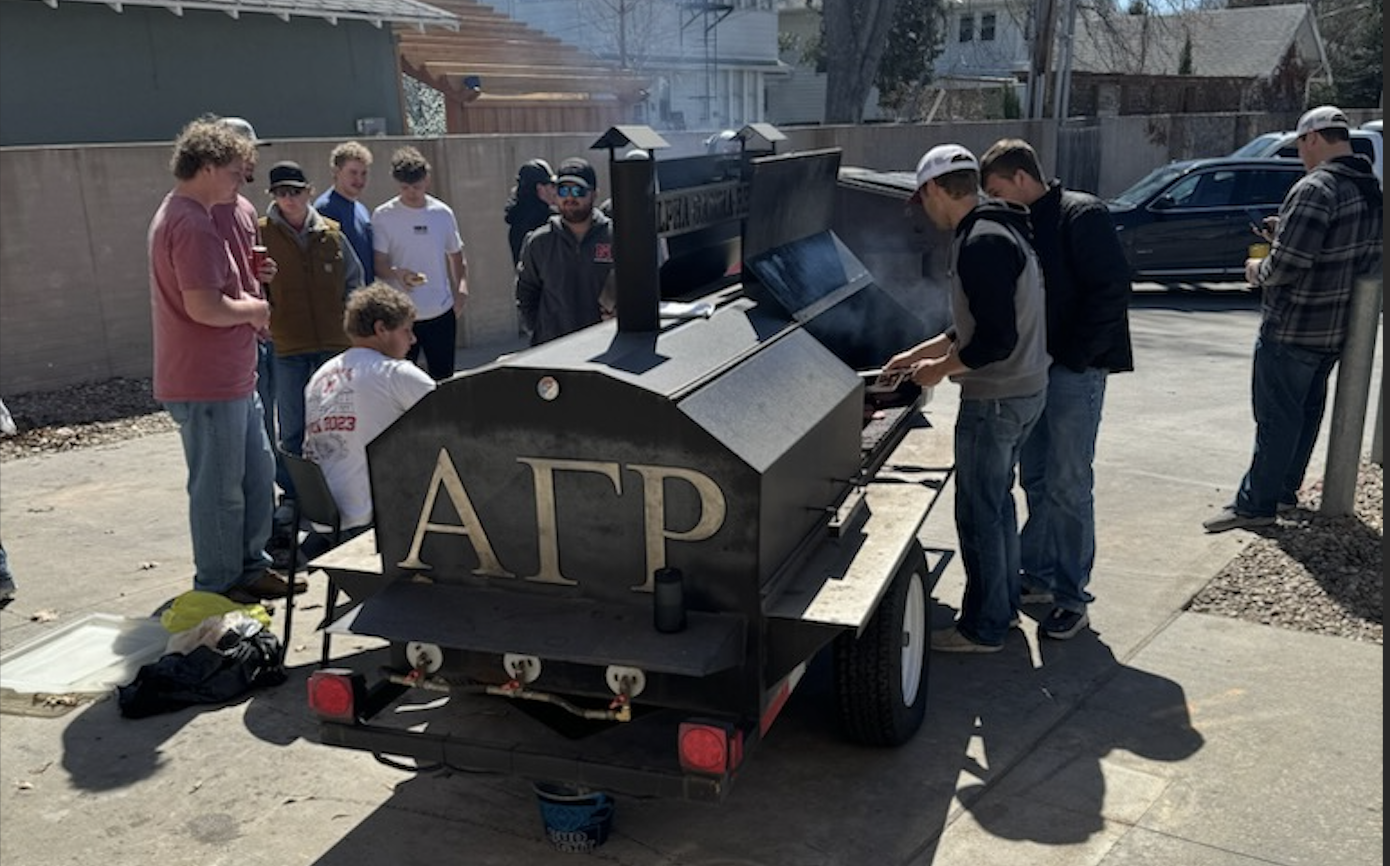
(446, 475)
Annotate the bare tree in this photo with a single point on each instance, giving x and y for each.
(627, 30)
(856, 33)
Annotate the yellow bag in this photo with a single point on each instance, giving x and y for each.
(194, 606)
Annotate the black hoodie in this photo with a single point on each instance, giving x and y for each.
(997, 304)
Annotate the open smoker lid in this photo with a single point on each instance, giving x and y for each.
(793, 260)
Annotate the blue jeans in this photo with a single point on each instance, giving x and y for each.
(265, 389)
(231, 477)
(292, 373)
(1056, 470)
(989, 438)
(1289, 393)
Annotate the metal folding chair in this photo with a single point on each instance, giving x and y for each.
(312, 501)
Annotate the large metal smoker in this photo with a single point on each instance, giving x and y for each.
(629, 543)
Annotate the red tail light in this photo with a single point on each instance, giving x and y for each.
(333, 694)
(710, 747)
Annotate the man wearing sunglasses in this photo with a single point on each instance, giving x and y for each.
(566, 263)
(318, 268)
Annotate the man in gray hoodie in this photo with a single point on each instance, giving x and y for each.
(996, 350)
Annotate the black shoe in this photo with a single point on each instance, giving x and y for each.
(1062, 624)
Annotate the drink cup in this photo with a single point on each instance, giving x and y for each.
(1258, 251)
(258, 257)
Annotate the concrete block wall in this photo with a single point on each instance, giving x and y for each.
(74, 286)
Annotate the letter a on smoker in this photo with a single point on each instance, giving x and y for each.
(446, 476)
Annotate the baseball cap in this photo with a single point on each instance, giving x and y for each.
(241, 126)
(944, 159)
(532, 172)
(576, 170)
(1322, 117)
(287, 174)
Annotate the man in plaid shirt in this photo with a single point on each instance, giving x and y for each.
(1328, 234)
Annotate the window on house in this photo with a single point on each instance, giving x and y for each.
(967, 28)
(987, 27)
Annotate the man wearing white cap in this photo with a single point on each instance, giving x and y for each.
(996, 350)
(1328, 234)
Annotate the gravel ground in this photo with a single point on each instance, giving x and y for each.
(1308, 572)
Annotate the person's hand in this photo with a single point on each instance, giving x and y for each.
(411, 279)
(929, 373)
(260, 315)
(268, 270)
(900, 361)
(1252, 271)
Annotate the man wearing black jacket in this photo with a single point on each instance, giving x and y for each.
(1087, 282)
(567, 263)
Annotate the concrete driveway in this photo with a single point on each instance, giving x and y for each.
(1160, 737)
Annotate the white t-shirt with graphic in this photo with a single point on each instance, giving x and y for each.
(347, 403)
(420, 239)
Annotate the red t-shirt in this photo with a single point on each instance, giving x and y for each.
(192, 361)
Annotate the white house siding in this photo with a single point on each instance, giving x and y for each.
(1003, 56)
(700, 81)
(797, 98)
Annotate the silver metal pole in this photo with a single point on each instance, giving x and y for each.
(1377, 432)
(1351, 398)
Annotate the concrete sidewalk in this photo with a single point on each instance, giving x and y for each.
(1159, 737)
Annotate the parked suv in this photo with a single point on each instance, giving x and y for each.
(1189, 221)
(1366, 141)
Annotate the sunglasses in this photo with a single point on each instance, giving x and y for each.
(288, 191)
(571, 190)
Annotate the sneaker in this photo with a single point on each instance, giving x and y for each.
(284, 514)
(1287, 507)
(950, 640)
(1229, 518)
(279, 550)
(7, 590)
(1062, 624)
(1034, 595)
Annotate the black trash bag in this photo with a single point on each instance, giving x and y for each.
(204, 675)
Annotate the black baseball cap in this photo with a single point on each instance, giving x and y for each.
(576, 170)
(287, 174)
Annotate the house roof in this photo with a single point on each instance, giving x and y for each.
(1226, 43)
(378, 12)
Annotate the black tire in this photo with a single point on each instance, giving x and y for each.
(881, 676)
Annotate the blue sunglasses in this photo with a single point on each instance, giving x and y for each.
(571, 190)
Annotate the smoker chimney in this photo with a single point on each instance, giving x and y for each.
(636, 266)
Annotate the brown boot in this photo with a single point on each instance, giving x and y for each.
(271, 585)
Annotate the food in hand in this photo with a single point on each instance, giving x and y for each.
(413, 279)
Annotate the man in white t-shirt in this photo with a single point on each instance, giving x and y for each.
(356, 395)
(416, 247)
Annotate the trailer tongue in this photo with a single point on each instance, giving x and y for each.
(616, 553)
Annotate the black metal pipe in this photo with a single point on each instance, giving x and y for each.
(635, 265)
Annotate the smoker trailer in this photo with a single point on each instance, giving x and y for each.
(617, 553)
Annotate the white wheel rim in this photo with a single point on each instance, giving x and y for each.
(914, 638)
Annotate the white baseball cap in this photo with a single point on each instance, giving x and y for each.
(1322, 117)
(943, 159)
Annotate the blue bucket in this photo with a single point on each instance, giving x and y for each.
(576, 821)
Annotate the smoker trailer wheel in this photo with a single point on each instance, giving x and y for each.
(881, 675)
